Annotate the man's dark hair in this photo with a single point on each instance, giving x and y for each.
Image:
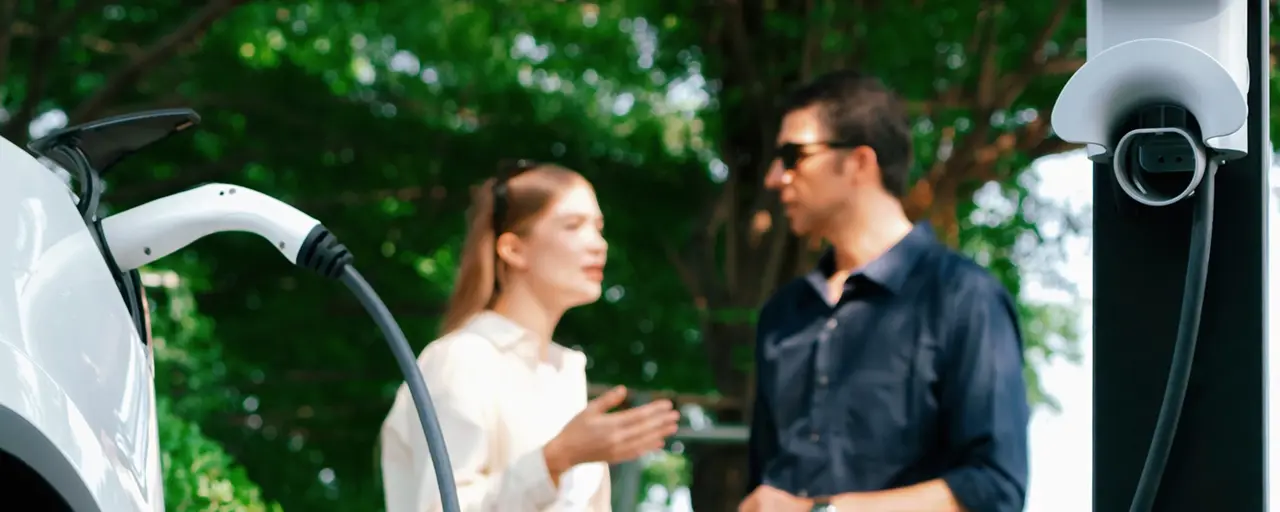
(857, 108)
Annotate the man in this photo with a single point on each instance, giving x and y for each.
(890, 377)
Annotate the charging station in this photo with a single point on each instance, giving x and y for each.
(1179, 356)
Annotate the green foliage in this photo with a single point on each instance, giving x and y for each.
(667, 470)
(198, 475)
(1006, 237)
(377, 117)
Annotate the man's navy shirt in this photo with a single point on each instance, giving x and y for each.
(914, 374)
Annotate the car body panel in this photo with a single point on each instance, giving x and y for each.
(77, 397)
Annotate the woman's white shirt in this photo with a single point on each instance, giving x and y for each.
(498, 403)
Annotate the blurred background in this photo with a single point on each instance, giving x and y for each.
(377, 117)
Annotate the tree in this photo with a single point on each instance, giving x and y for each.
(368, 154)
(982, 78)
(376, 117)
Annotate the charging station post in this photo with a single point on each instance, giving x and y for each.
(1218, 457)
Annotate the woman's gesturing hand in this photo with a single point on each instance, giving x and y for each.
(597, 435)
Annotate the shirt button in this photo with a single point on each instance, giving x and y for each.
(814, 437)
(803, 493)
(822, 380)
(831, 324)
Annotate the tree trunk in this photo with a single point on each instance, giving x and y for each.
(719, 471)
(746, 251)
(937, 203)
(719, 476)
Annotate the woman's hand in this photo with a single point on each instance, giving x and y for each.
(597, 435)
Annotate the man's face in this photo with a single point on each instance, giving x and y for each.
(819, 183)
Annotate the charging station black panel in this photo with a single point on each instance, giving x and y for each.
(1218, 460)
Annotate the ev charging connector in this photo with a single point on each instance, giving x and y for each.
(153, 230)
(150, 231)
(1162, 99)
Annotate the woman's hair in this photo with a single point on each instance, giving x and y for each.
(527, 195)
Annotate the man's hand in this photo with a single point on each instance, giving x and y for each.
(772, 499)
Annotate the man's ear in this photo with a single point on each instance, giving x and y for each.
(865, 165)
(510, 250)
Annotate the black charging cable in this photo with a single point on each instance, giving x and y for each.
(322, 253)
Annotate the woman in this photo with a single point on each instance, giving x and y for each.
(512, 402)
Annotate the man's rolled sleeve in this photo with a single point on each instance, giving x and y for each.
(984, 402)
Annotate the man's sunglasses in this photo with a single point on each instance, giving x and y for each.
(507, 169)
(791, 153)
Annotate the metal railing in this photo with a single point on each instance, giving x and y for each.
(627, 477)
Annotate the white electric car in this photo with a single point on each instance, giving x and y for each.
(77, 398)
(77, 395)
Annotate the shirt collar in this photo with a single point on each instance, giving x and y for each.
(889, 271)
(509, 336)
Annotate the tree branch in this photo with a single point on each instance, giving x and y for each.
(989, 64)
(953, 95)
(1012, 84)
(8, 12)
(1051, 146)
(711, 402)
(739, 37)
(951, 99)
(920, 198)
(739, 47)
(781, 242)
(153, 56)
(962, 154)
(96, 44)
(745, 145)
(211, 171)
(695, 286)
(1032, 140)
(812, 47)
(845, 57)
(975, 37)
(17, 129)
(353, 198)
(696, 263)
(1034, 61)
(1036, 54)
(1064, 65)
(985, 40)
(406, 309)
(43, 56)
(731, 235)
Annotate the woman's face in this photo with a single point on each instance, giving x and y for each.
(562, 254)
